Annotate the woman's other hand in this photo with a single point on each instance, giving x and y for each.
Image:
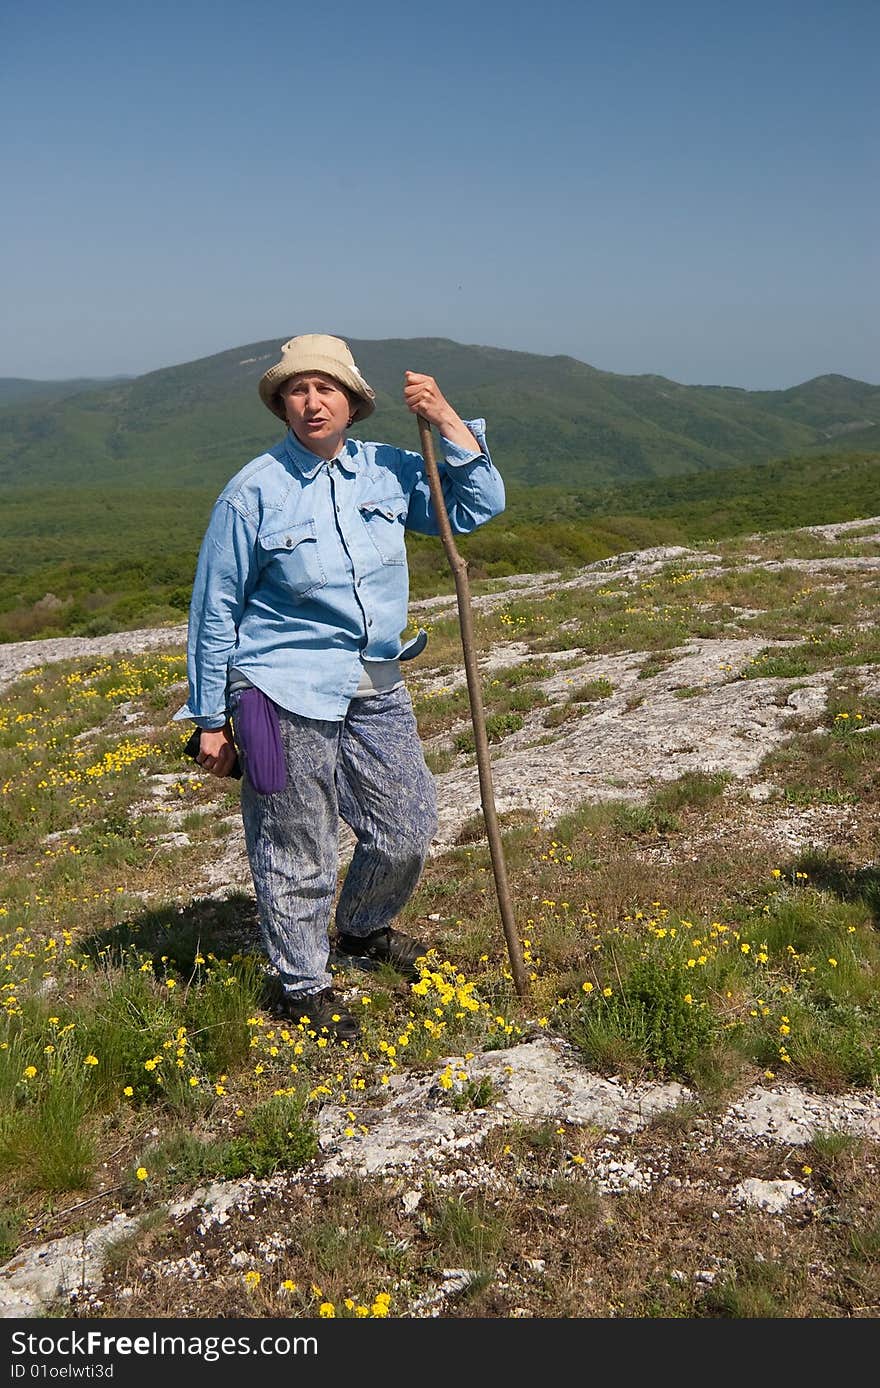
(217, 751)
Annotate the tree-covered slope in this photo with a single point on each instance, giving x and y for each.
(551, 419)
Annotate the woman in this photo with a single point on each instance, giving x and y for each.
(294, 655)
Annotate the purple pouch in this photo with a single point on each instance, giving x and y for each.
(256, 723)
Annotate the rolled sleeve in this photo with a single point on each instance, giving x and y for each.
(456, 455)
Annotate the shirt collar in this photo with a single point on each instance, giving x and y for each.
(347, 457)
(309, 464)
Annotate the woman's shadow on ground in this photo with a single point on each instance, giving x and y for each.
(176, 937)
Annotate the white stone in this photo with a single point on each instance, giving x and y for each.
(772, 1196)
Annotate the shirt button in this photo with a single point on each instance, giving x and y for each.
(338, 509)
(369, 621)
(289, 542)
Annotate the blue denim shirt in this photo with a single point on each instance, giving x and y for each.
(302, 573)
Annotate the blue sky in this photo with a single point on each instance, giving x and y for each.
(680, 188)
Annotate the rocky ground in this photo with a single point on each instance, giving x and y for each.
(744, 1162)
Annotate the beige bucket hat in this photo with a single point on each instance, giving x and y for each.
(316, 352)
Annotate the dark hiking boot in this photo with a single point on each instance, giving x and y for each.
(386, 946)
(320, 1012)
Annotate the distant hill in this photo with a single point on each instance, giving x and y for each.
(552, 420)
(14, 389)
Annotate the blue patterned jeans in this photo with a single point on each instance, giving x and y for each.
(370, 770)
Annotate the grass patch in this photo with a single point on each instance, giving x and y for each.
(656, 664)
(469, 1232)
(279, 1136)
(693, 790)
(757, 1290)
(498, 726)
(46, 1143)
(837, 766)
(646, 1021)
(592, 691)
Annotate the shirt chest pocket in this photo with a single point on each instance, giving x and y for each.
(293, 556)
(384, 521)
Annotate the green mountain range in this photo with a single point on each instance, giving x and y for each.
(107, 485)
(552, 420)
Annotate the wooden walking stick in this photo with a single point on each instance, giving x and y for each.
(459, 567)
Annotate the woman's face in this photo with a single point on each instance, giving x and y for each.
(318, 411)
